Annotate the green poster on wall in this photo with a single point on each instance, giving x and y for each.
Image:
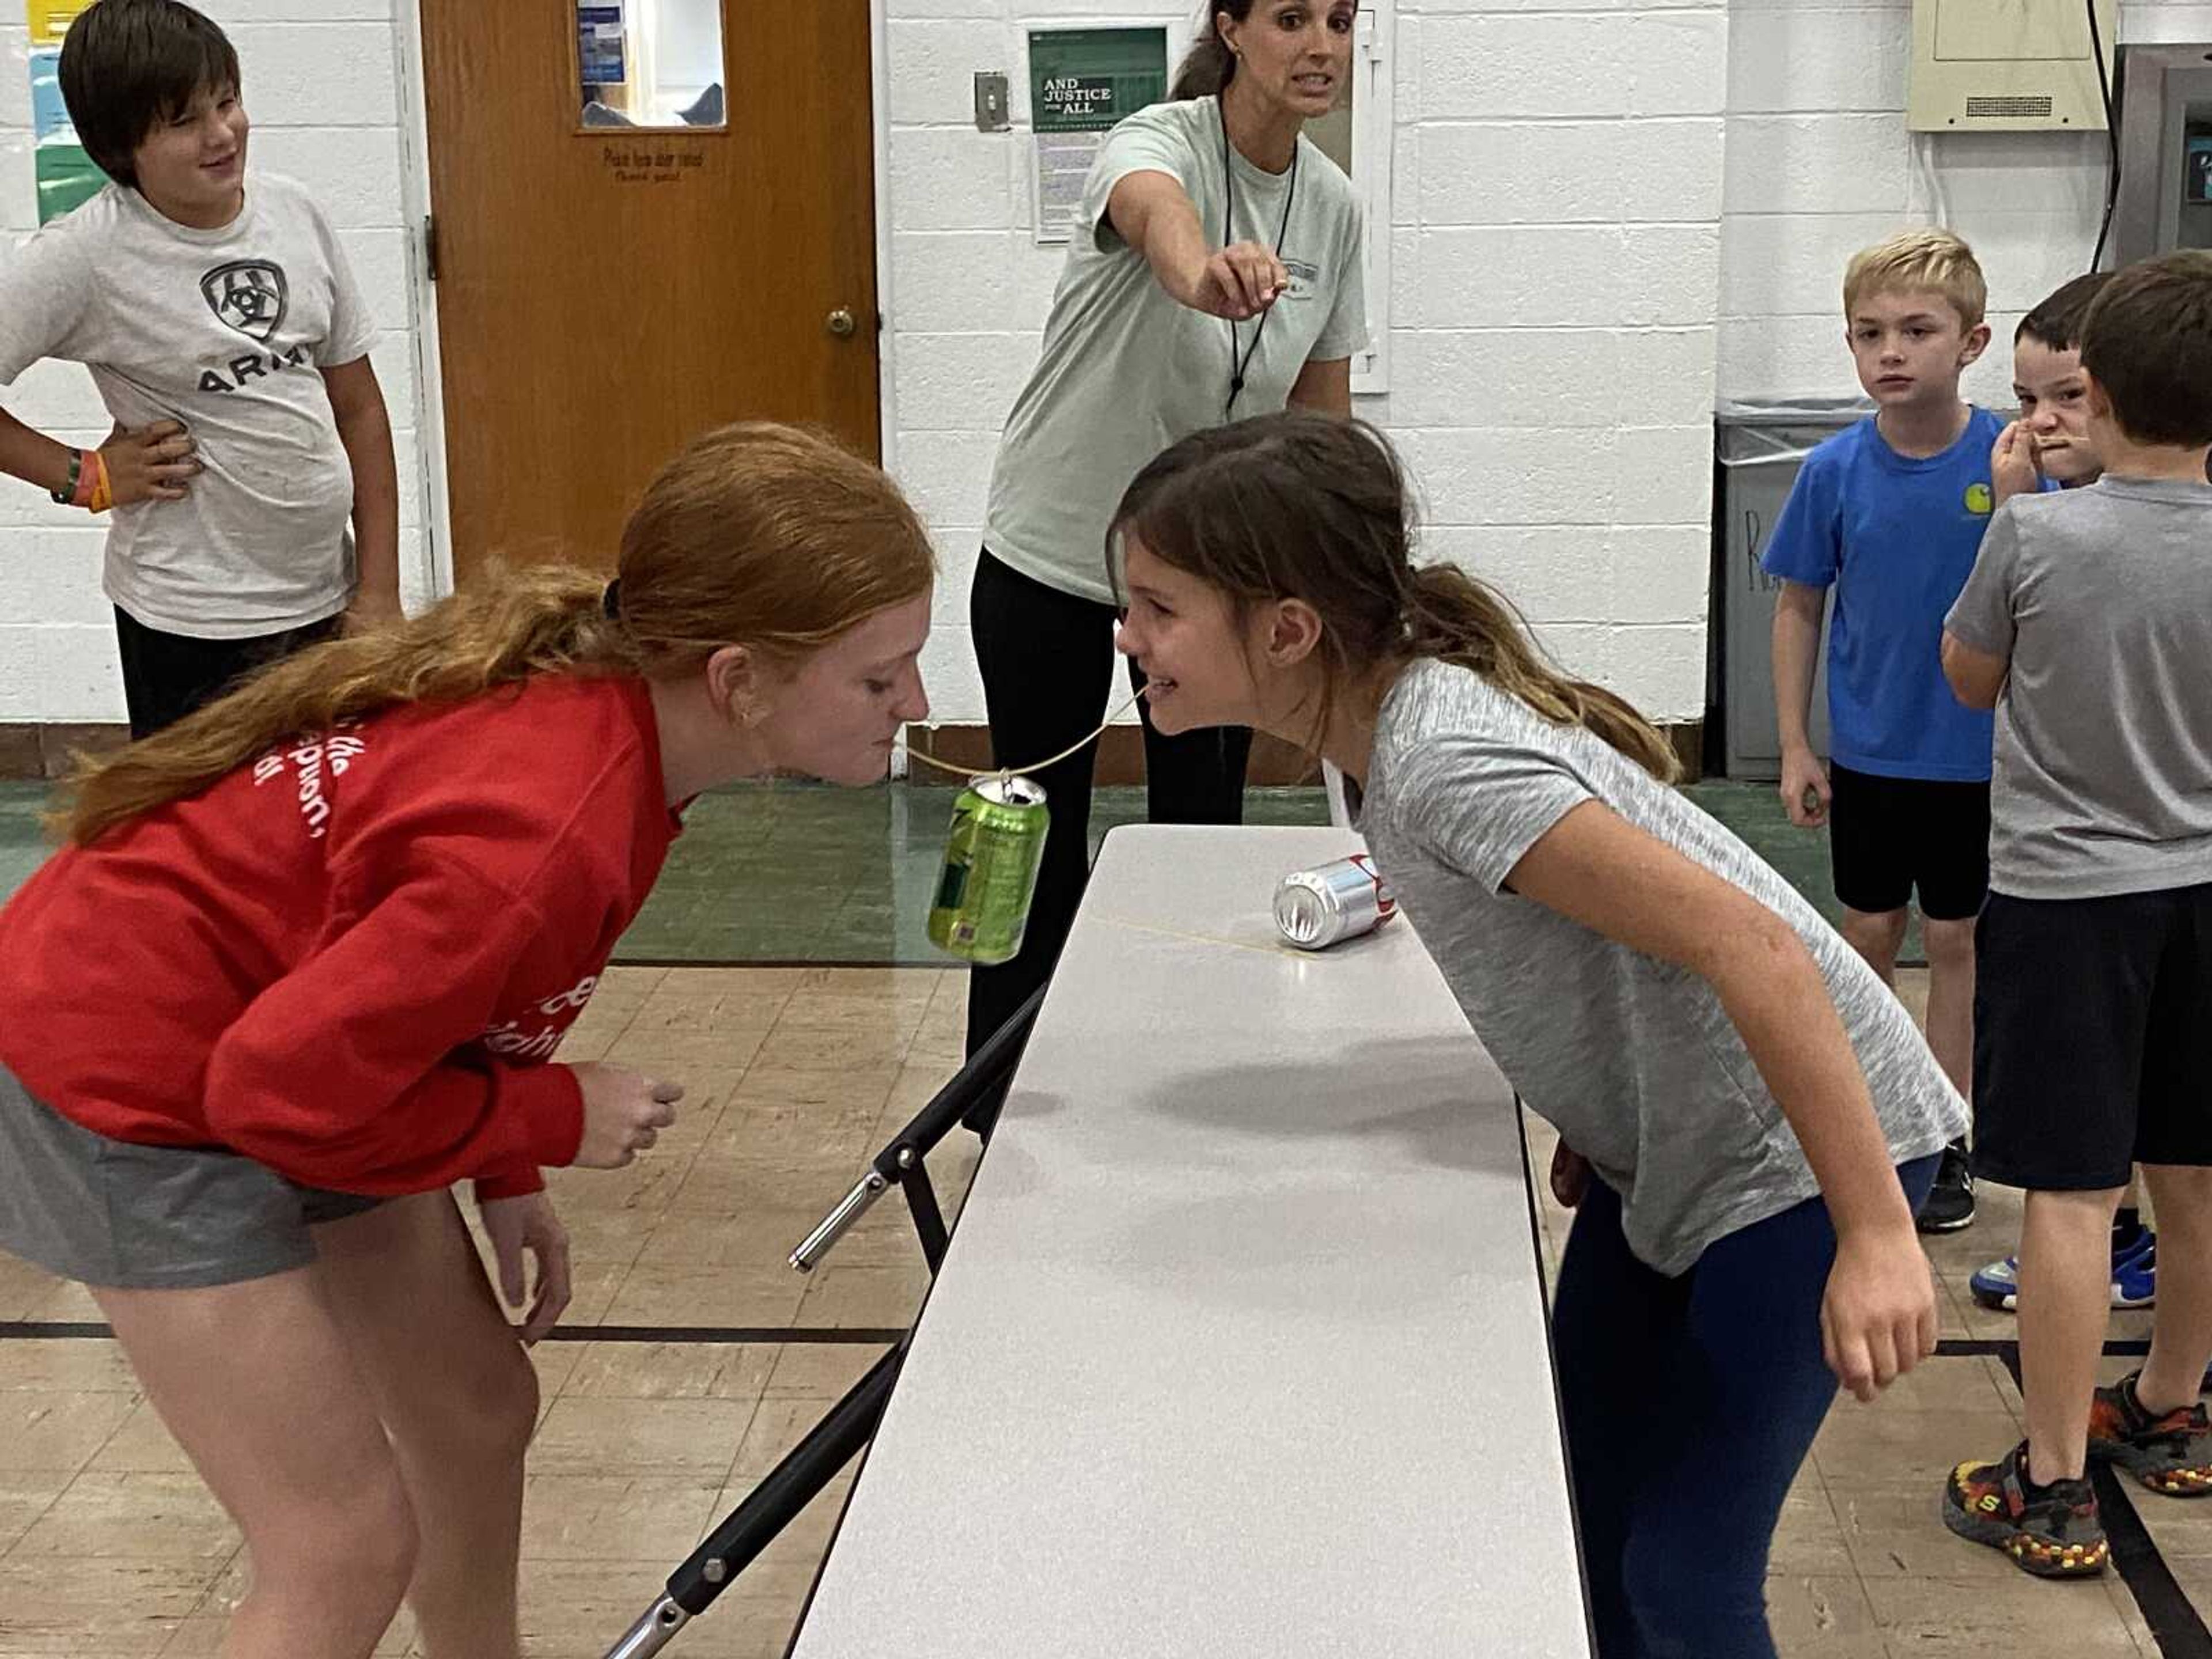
(67, 178)
(1082, 82)
(66, 174)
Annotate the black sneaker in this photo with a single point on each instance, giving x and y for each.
(1950, 1204)
(2053, 1534)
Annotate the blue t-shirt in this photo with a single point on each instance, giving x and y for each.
(1897, 538)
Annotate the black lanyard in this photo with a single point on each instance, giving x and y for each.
(1238, 364)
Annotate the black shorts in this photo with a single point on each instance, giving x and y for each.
(167, 677)
(1887, 836)
(2093, 1037)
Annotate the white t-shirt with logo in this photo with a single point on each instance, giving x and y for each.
(1127, 371)
(224, 331)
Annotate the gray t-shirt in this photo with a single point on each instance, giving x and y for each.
(2102, 599)
(1126, 371)
(1633, 1059)
(224, 331)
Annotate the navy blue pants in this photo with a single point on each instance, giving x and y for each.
(1690, 1403)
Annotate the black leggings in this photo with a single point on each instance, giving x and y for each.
(167, 677)
(1048, 665)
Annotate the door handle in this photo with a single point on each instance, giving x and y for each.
(840, 324)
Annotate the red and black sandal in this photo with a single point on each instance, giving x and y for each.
(2172, 1454)
(2053, 1533)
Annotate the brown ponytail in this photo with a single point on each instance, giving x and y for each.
(1209, 66)
(755, 534)
(1457, 619)
(1314, 506)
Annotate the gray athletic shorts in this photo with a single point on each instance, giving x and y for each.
(111, 1214)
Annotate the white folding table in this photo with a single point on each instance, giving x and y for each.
(1240, 1345)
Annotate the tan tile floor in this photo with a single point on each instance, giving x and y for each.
(109, 1546)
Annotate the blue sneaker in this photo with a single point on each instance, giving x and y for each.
(2135, 1272)
(2134, 1278)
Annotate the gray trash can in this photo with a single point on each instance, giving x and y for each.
(1759, 444)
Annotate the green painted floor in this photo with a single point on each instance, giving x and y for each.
(797, 873)
(22, 842)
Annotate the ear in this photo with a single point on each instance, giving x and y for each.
(2092, 395)
(734, 685)
(1226, 29)
(1977, 341)
(1290, 633)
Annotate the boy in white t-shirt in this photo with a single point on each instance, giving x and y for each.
(228, 339)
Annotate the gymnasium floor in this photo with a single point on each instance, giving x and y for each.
(108, 1546)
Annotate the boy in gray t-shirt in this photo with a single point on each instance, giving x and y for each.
(229, 342)
(2088, 625)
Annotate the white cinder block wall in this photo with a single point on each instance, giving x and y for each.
(1819, 164)
(1555, 249)
(322, 86)
(1555, 233)
(1581, 189)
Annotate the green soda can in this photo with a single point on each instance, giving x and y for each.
(991, 859)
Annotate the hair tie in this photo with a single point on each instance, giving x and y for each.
(611, 601)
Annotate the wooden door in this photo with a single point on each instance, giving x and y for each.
(605, 293)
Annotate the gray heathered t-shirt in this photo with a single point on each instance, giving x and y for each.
(226, 331)
(2102, 599)
(1632, 1059)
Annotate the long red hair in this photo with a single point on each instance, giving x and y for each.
(756, 534)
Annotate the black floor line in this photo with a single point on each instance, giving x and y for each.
(2007, 1348)
(1968, 1347)
(49, 1330)
(2179, 1629)
(945, 962)
(828, 1335)
(2175, 1625)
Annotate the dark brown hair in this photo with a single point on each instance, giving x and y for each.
(2147, 341)
(129, 64)
(1209, 65)
(761, 535)
(2056, 321)
(1306, 505)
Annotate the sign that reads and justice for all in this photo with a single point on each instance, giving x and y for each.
(1082, 82)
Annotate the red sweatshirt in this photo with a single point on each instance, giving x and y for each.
(350, 959)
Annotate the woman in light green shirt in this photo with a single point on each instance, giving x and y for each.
(1217, 275)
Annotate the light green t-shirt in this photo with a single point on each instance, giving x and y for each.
(1127, 371)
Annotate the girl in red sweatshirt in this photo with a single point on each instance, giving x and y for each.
(302, 966)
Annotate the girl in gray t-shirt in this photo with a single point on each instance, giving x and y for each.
(1751, 1113)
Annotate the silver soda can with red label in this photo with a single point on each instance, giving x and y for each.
(1316, 907)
